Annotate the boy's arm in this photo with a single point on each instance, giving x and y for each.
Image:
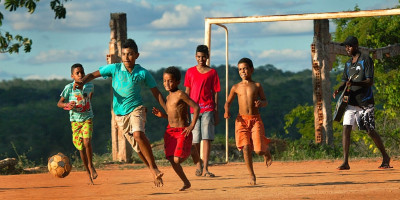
(216, 116)
(228, 102)
(262, 102)
(67, 106)
(196, 111)
(158, 96)
(87, 79)
(61, 103)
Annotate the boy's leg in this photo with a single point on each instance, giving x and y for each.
(207, 134)
(367, 117)
(145, 149)
(196, 158)
(176, 165)
(248, 159)
(346, 146)
(267, 156)
(85, 164)
(379, 144)
(89, 155)
(195, 151)
(206, 155)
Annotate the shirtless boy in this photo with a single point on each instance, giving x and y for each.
(249, 129)
(178, 135)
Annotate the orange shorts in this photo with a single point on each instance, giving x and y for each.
(176, 144)
(249, 130)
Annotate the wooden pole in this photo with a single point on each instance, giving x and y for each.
(121, 149)
(322, 65)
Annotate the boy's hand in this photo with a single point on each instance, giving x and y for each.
(157, 112)
(78, 85)
(335, 93)
(70, 105)
(257, 103)
(227, 115)
(187, 131)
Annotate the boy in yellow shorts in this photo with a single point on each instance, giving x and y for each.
(249, 128)
(80, 111)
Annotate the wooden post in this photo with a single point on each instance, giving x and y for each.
(322, 65)
(121, 149)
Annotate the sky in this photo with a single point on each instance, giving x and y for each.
(167, 33)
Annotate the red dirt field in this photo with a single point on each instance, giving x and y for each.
(282, 180)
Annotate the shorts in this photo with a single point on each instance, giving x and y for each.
(81, 130)
(176, 144)
(364, 116)
(135, 121)
(204, 128)
(249, 130)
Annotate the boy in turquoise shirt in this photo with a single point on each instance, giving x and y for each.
(127, 79)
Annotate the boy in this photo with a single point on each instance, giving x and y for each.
(361, 105)
(202, 85)
(127, 79)
(81, 114)
(249, 129)
(178, 135)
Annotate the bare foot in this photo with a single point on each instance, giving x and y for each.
(185, 186)
(90, 181)
(158, 182)
(93, 173)
(344, 166)
(252, 180)
(268, 158)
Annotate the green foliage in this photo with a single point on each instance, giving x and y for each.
(11, 44)
(302, 117)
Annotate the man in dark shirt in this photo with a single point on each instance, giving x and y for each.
(360, 106)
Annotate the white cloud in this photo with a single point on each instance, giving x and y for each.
(69, 56)
(178, 18)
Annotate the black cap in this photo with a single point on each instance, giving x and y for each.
(350, 41)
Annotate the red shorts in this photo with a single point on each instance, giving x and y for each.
(176, 144)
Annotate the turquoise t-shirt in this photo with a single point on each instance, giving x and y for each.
(127, 86)
(83, 109)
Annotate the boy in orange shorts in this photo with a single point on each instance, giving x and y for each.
(178, 135)
(249, 128)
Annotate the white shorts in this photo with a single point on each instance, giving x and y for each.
(362, 116)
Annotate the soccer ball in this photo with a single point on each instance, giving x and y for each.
(59, 165)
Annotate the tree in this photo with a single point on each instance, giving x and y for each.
(11, 44)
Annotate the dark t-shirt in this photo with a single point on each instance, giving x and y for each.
(362, 69)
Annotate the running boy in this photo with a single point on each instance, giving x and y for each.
(80, 114)
(127, 79)
(249, 129)
(202, 85)
(178, 135)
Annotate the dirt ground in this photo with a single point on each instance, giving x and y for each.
(282, 180)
